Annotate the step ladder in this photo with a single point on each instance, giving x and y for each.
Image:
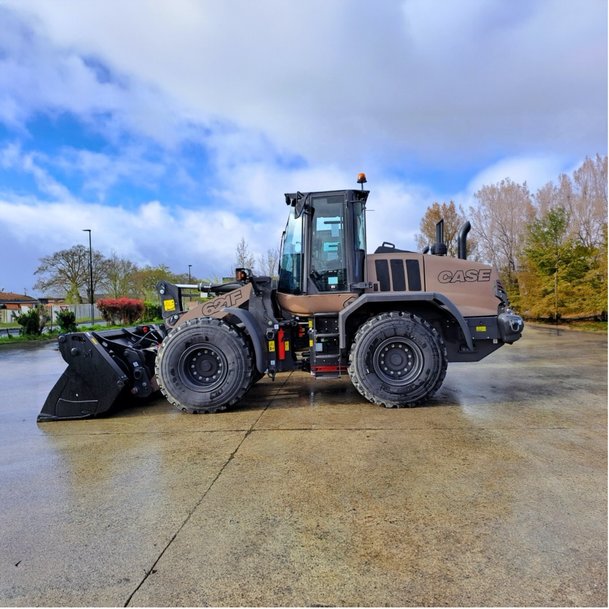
(325, 357)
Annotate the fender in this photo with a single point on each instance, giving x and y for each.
(434, 299)
(254, 332)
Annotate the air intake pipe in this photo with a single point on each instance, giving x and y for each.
(439, 247)
(462, 240)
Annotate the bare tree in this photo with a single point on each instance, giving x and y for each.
(584, 199)
(546, 198)
(269, 263)
(499, 221)
(66, 272)
(244, 258)
(588, 210)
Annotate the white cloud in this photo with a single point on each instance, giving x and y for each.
(346, 81)
(535, 170)
(36, 76)
(101, 171)
(12, 158)
(149, 234)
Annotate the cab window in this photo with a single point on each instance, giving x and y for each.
(290, 263)
(328, 264)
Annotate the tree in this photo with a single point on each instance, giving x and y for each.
(588, 206)
(268, 264)
(120, 277)
(145, 280)
(553, 282)
(66, 320)
(597, 277)
(453, 220)
(244, 258)
(499, 221)
(578, 205)
(67, 272)
(33, 321)
(584, 199)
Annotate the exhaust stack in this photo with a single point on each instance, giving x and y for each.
(439, 247)
(462, 240)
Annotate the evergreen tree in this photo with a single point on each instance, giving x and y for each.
(553, 283)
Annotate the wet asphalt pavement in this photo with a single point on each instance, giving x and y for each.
(305, 494)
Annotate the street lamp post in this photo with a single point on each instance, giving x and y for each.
(88, 230)
(189, 267)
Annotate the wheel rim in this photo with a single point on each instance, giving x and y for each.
(202, 368)
(397, 361)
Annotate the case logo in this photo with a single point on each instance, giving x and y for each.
(464, 276)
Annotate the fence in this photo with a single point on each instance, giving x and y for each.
(81, 311)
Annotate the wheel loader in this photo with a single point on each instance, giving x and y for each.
(391, 320)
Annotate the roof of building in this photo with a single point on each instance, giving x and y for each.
(12, 298)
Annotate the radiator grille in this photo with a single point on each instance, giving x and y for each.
(392, 277)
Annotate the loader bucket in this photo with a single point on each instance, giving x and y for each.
(101, 367)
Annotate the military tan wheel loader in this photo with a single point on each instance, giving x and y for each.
(391, 320)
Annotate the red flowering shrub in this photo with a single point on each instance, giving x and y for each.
(120, 310)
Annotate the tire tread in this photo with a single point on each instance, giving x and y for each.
(372, 325)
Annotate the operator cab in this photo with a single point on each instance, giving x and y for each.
(323, 248)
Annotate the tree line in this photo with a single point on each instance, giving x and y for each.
(550, 247)
(66, 273)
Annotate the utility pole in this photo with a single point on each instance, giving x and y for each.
(556, 295)
(88, 230)
(189, 267)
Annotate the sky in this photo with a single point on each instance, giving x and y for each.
(172, 128)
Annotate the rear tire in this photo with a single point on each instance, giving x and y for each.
(204, 365)
(397, 359)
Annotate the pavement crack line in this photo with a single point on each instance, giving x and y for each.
(152, 569)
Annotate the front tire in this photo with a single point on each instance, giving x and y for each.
(397, 359)
(204, 365)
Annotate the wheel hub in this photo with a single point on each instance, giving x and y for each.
(203, 367)
(397, 361)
